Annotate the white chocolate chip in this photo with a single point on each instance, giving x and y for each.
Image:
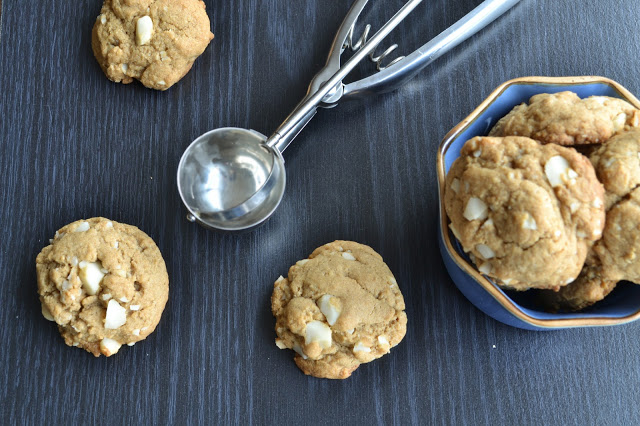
(529, 223)
(280, 344)
(383, 340)
(581, 234)
(124, 299)
(116, 315)
(487, 223)
(136, 332)
(144, 30)
(318, 332)
(360, 347)
(109, 346)
(120, 273)
(74, 261)
(597, 203)
(103, 19)
(161, 82)
(66, 285)
(109, 224)
(486, 268)
(91, 276)
(125, 68)
(574, 206)
(392, 282)
(84, 226)
(558, 171)
(131, 343)
(106, 296)
(348, 256)
(455, 231)
(485, 251)
(455, 185)
(619, 121)
(47, 314)
(477, 153)
(476, 209)
(299, 351)
(330, 308)
(302, 262)
(557, 233)
(507, 281)
(350, 331)
(134, 307)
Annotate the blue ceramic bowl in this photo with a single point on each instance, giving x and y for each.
(518, 308)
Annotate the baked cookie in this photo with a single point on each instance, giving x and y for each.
(617, 165)
(585, 291)
(153, 41)
(526, 213)
(104, 283)
(565, 119)
(337, 309)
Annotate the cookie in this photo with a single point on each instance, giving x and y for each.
(337, 309)
(617, 164)
(104, 283)
(153, 41)
(565, 119)
(588, 289)
(525, 213)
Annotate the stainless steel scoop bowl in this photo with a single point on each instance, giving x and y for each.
(229, 179)
(233, 179)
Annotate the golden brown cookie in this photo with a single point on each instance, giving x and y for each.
(526, 213)
(565, 119)
(337, 309)
(585, 291)
(104, 283)
(617, 165)
(153, 41)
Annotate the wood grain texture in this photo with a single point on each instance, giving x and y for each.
(73, 145)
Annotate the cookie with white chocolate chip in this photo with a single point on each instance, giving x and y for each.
(337, 309)
(104, 283)
(526, 213)
(617, 164)
(153, 41)
(565, 119)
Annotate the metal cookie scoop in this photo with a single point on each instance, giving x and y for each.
(233, 179)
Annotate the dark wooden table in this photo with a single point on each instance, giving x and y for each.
(74, 145)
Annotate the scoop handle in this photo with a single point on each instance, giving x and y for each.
(305, 111)
(399, 73)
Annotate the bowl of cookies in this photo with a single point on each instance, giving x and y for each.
(539, 191)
